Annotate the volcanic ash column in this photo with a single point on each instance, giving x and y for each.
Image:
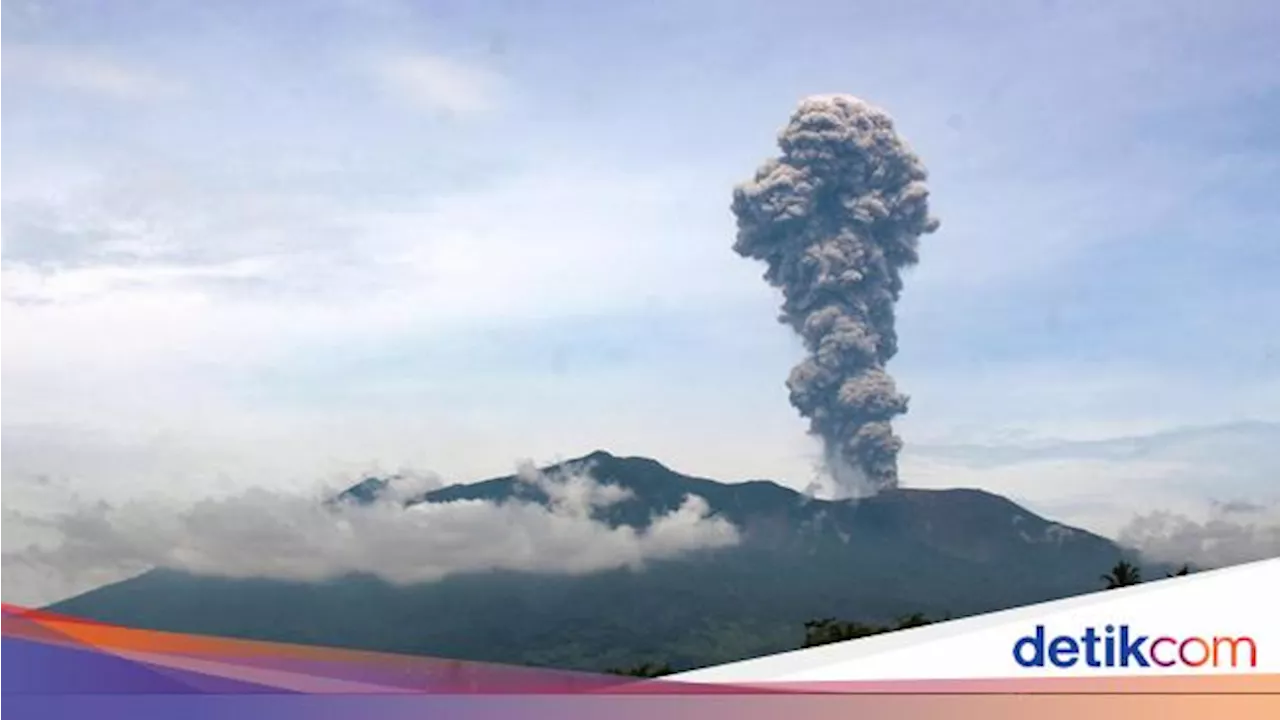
(836, 217)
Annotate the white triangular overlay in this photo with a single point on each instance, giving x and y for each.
(1237, 607)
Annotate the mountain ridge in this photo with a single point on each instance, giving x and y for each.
(938, 552)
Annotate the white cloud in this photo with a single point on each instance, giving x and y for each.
(261, 533)
(162, 351)
(214, 286)
(503, 248)
(25, 286)
(1228, 533)
(439, 84)
(86, 72)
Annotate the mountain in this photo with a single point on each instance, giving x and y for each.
(937, 552)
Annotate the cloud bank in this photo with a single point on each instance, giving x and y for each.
(1233, 532)
(265, 534)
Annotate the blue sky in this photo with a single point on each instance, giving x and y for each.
(255, 244)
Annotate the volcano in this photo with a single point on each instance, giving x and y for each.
(941, 553)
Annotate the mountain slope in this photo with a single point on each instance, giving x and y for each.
(936, 552)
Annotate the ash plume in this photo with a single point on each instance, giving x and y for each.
(836, 217)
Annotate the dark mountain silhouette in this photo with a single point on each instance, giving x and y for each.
(902, 552)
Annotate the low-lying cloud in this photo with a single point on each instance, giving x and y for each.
(1232, 533)
(260, 533)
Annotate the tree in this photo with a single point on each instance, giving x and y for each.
(1184, 570)
(1123, 574)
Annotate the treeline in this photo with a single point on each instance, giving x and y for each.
(830, 630)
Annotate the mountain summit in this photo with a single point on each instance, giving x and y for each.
(937, 552)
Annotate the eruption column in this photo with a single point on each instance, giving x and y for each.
(836, 217)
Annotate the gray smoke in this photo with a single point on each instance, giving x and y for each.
(836, 217)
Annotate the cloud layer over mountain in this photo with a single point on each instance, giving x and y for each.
(260, 533)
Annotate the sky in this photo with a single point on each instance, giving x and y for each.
(253, 247)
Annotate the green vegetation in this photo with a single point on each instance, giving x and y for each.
(817, 632)
(1123, 574)
(646, 670)
(830, 630)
